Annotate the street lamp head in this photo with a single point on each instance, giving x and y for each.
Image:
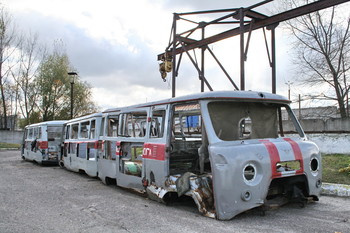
(72, 74)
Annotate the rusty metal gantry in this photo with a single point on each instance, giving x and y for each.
(248, 20)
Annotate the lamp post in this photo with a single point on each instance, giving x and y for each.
(72, 74)
(289, 83)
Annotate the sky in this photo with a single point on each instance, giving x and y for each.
(113, 45)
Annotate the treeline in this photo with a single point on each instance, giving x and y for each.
(34, 82)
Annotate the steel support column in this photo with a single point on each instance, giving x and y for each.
(174, 71)
(202, 62)
(273, 56)
(241, 30)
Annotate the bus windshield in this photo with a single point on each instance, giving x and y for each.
(248, 120)
(54, 132)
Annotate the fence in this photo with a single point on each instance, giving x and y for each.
(332, 125)
(11, 136)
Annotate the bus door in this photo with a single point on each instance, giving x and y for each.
(132, 134)
(154, 152)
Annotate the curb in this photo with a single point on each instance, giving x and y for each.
(4, 149)
(340, 190)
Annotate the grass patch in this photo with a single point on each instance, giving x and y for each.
(331, 164)
(4, 145)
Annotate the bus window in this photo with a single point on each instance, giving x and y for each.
(39, 132)
(92, 129)
(102, 126)
(35, 132)
(84, 129)
(131, 161)
(67, 131)
(133, 124)
(134, 165)
(112, 126)
(75, 128)
(237, 121)
(186, 138)
(54, 133)
(187, 121)
(157, 124)
(30, 135)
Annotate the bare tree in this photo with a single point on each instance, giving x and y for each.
(30, 55)
(322, 51)
(7, 49)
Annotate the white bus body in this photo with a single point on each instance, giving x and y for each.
(42, 142)
(81, 144)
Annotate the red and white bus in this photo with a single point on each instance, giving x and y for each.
(81, 144)
(42, 142)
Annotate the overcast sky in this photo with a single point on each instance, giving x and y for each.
(114, 44)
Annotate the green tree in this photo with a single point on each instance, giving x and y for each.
(54, 88)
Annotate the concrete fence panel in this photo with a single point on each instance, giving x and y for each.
(11, 136)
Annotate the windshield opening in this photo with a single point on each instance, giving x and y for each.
(54, 132)
(240, 121)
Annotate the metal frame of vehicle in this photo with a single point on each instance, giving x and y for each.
(227, 150)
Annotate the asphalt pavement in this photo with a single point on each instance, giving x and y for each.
(37, 198)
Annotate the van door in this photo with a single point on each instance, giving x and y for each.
(133, 130)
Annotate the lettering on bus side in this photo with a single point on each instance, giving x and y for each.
(154, 151)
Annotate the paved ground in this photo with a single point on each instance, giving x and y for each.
(50, 199)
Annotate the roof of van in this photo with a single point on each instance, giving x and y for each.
(93, 115)
(238, 95)
(47, 123)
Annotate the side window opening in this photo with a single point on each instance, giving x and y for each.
(84, 129)
(133, 124)
(67, 131)
(102, 126)
(30, 135)
(187, 143)
(75, 128)
(112, 129)
(39, 132)
(35, 133)
(92, 129)
(288, 123)
(131, 159)
(157, 124)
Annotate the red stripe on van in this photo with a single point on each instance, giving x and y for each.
(297, 153)
(117, 149)
(43, 145)
(274, 157)
(154, 151)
